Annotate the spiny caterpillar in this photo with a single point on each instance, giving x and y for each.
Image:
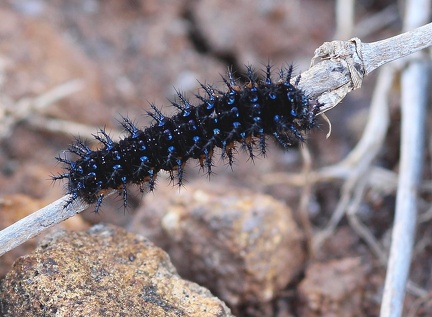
(244, 114)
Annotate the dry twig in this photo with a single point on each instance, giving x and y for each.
(414, 100)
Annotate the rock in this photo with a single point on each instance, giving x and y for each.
(242, 245)
(334, 288)
(102, 272)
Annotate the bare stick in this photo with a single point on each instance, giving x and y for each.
(414, 100)
(359, 160)
(305, 199)
(345, 63)
(341, 71)
(44, 218)
(34, 224)
(26, 108)
(344, 18)
(401, 45)
(371, 24)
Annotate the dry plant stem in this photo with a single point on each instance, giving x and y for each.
(358, 161)
(425, 217)
(359, 227)
(347, 191)
(377, 125)
(413, 113)
(379, 53)
(413, 311)
(416, 290)
(44, 218)
(329, 81)
(26, 108)
(305, 198)
(69, 128)
(378, 21)
(344, 19)
(379, 179)
(37, 222)
(57, 93)
(345, 63)
(413, 107)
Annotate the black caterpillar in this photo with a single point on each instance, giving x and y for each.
(241, 114)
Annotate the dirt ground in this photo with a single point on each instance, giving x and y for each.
(69, 68)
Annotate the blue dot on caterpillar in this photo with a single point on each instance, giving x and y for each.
(245, 114)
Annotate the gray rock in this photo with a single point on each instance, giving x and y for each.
(103, 272)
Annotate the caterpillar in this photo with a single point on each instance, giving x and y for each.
(243, 114)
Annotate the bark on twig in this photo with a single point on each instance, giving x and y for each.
(345, 63)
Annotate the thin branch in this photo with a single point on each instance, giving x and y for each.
(37, 222)
(345, 63)
(358, 161)
(344, 18)
(414, 86)
(413, 107)
(305, 199)
(380, 20)
(26, 108)
(34, 224)
(379, 53)
(361, 229)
